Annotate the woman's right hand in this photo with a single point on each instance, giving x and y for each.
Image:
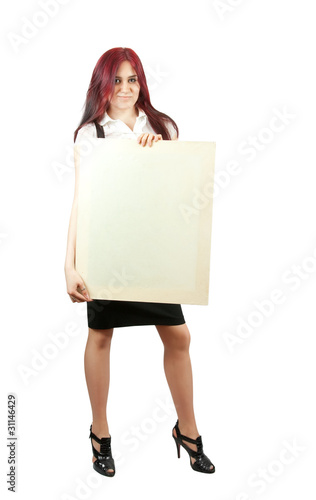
(76, 287)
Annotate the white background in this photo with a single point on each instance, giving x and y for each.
(223, 75)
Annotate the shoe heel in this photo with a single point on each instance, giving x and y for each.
(178, 446)
(104, 461)
(202, 462)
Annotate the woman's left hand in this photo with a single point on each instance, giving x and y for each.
(149, 139)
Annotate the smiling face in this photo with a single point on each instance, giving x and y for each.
(126, 89)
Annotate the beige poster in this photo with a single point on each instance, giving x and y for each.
(144, 219)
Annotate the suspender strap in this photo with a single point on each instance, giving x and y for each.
(100, 130)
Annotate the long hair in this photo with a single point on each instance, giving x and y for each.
(101, 89)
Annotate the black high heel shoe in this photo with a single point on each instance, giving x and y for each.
(104, 460)
(202, 462)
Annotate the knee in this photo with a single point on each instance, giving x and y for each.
(179, 340)
(101, 338)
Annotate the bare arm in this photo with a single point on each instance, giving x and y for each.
(70, 261)
(75, 284)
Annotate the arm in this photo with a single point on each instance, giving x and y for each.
(70, 261)
(75, 284)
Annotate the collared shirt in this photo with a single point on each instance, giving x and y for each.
(118, 128)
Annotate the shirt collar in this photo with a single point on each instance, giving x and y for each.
(106, 117)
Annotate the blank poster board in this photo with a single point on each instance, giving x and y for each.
(144, 219)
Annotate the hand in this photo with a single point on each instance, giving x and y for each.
(149, 138)
(75, 285)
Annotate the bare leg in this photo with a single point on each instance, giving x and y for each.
(178, 370)
(97, 372)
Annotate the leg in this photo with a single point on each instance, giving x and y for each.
(178, 370)
(97, 372)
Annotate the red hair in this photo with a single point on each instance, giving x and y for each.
(101, 89)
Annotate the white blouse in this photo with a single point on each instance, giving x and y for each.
(117, 128)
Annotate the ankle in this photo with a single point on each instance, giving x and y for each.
(99, 428)
(188, 429)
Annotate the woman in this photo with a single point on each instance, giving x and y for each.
(118, 104)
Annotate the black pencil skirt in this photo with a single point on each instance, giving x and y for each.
(104, 314)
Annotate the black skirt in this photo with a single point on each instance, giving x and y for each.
(104, 314)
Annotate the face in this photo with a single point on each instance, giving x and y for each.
(126, 89)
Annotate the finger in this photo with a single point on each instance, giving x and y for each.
(81, 288)
(157, 138)
(141, 138)
(144, 139)
(150, 139)
(76, 297)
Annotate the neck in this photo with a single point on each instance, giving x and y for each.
(122, 114)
